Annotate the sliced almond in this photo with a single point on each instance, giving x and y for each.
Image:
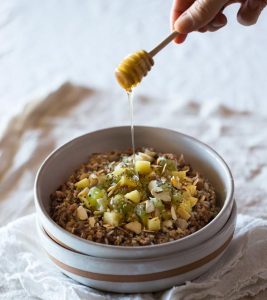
(173, 213)
(149, 206)
(182, 223)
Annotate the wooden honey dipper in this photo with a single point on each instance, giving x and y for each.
(136, 65)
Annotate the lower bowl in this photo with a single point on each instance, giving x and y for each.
(63, 161)
(140, 275)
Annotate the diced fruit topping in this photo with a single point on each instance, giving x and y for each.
(82, 183)
(183, 213)
(112, 218)
(83, 194)
(135, 226)
(118, 198)
(127, 181)
(153, 194)
(97, 198)
(153, 224)
(81, 213)
(134, 196)
(143, 167)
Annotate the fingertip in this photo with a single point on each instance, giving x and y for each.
(180, 39)
(219, 21)
(249, 12)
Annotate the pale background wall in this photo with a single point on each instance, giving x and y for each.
(44, 43)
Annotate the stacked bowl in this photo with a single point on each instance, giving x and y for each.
(139, 268)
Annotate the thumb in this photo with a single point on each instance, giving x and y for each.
(249, 11)
(199, 14)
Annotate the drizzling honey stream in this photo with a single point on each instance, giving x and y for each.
(131, 71)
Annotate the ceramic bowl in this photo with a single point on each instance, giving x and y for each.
(140, 275)
(62, 162)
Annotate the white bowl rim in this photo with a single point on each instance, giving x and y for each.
(228, 200)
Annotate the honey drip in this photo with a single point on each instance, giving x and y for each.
(130, 99)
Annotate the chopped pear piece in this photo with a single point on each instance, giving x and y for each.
(118, 170)
(134, 196)
(183, 213)
(134, 226)
(83, 194)
(153, 224)
(186, 204)
(81, 213)
(176, 182)
(126, 181)
(82, 183)
(143, 167)
(112, 218)
(193, 201)
(180, 174)
(192, 189)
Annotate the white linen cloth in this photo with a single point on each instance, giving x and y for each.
(239, 136)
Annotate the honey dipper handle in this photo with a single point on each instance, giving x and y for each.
(163, 43)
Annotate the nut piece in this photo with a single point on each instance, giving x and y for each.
(92, 221)
(149, 206)
(167, 224)
(174, 216)
(93, 179)
(81, 213)
(182, 223)
(143, 156)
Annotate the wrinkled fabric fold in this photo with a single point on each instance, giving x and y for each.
(25, 268)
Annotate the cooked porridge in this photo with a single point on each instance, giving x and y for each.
(118, 199)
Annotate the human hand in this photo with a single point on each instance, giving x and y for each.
(207, 15)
